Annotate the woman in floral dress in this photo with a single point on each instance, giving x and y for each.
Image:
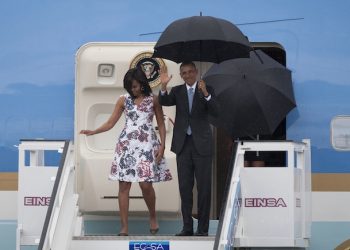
(138, 154)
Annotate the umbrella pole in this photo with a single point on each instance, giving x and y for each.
(200, 59)
(200, 78)
(257, 55)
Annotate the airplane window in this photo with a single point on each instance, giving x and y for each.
(340, 133)
(106, 74)
(105, 70)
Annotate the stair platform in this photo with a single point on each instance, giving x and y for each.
(138, 242)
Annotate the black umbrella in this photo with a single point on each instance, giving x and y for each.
(202, 38)
(255, 94)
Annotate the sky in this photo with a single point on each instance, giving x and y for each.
(39, 40)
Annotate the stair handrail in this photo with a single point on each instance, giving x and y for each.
(57, 189)
(221, 239)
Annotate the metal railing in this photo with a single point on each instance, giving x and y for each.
(37, 170)
(62, 212)
(226, 204)
(298, 156)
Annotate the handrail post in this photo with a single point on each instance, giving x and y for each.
(37, 158)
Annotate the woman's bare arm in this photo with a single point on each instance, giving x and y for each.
(113, 119)
(161, 127)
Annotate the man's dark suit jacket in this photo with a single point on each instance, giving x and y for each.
(197, 118)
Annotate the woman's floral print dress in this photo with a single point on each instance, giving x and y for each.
(134, 159)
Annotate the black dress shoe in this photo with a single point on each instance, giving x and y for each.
(200, 234)
(185, 233)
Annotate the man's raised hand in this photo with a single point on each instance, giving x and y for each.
(164, 78)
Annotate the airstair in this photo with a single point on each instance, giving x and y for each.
(264, 207)
(267, 208)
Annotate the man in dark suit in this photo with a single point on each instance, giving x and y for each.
(192, 142)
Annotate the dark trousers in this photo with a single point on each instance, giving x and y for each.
(191, 165)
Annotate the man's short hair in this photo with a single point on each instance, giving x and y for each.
(189, 63)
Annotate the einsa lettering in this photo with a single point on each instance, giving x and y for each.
(36, 201)
(264, 202)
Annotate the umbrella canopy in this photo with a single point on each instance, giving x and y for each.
(254, 94)
(202, 38)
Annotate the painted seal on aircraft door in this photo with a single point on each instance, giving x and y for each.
(150, 66)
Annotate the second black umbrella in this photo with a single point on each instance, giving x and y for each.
(254, 94)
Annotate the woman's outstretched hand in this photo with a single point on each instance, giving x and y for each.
(87, 132)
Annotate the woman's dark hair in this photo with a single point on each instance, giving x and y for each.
(138, 75)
